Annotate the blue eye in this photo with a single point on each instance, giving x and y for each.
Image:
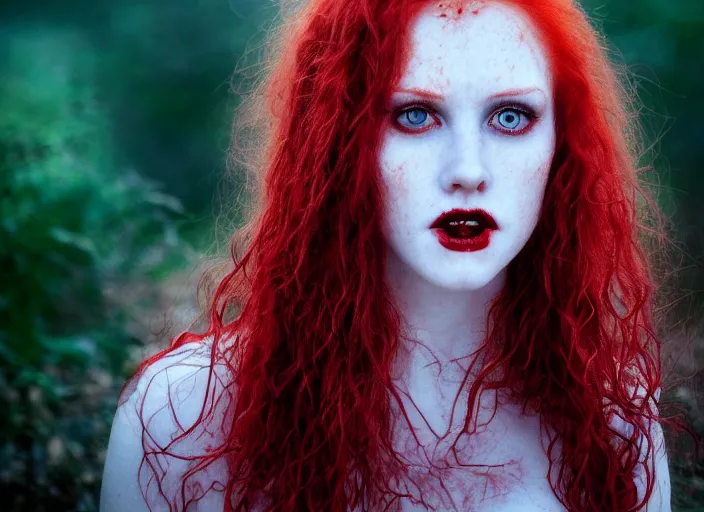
(509, 119)
(513, 120)
(414, 118)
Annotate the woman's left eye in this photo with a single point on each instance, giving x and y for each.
(512, 120)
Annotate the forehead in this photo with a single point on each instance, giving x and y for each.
(475, 46)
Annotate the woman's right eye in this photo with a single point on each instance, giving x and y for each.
(415, 119)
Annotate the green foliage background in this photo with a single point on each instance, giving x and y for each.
(114, 122)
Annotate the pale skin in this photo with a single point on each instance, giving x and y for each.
(482, 135)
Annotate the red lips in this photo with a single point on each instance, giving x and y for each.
(464, 230)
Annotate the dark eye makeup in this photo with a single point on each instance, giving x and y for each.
(406, 118)
(420, 117)
(526, 116)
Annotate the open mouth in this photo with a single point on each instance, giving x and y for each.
(464, 230)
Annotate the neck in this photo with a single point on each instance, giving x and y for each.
(441, 326)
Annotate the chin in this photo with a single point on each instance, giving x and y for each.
(437, 271)
(467, 281)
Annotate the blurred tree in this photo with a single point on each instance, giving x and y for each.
(164, 72)
(663, 46)
(167, 74)
(72, 230)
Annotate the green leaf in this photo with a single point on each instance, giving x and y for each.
(75, 240)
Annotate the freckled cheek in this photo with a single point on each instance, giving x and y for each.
(401, 199)
(533, 190)
(399, 164)
(409, 171)
(398, 182)
(522, 177)
(393, 174)
(537, 175)
(532, 162)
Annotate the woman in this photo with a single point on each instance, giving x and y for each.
(442, 299)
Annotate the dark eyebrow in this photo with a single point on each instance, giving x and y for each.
(430, 95)
(516, 92)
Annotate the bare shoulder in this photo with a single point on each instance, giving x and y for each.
(168, 420)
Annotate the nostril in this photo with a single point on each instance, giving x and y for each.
(480, 188)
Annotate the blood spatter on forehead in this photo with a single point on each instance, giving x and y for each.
(453, 9)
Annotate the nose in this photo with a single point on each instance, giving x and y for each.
(465, 168)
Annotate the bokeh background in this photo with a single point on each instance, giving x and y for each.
(115, 120)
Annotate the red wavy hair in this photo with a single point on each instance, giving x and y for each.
(312, 344)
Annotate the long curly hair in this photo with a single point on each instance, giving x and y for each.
(304, 320)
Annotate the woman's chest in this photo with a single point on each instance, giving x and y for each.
(499, 464)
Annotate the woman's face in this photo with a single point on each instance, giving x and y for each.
(471, 129)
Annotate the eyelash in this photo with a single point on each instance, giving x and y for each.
(513, 107)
